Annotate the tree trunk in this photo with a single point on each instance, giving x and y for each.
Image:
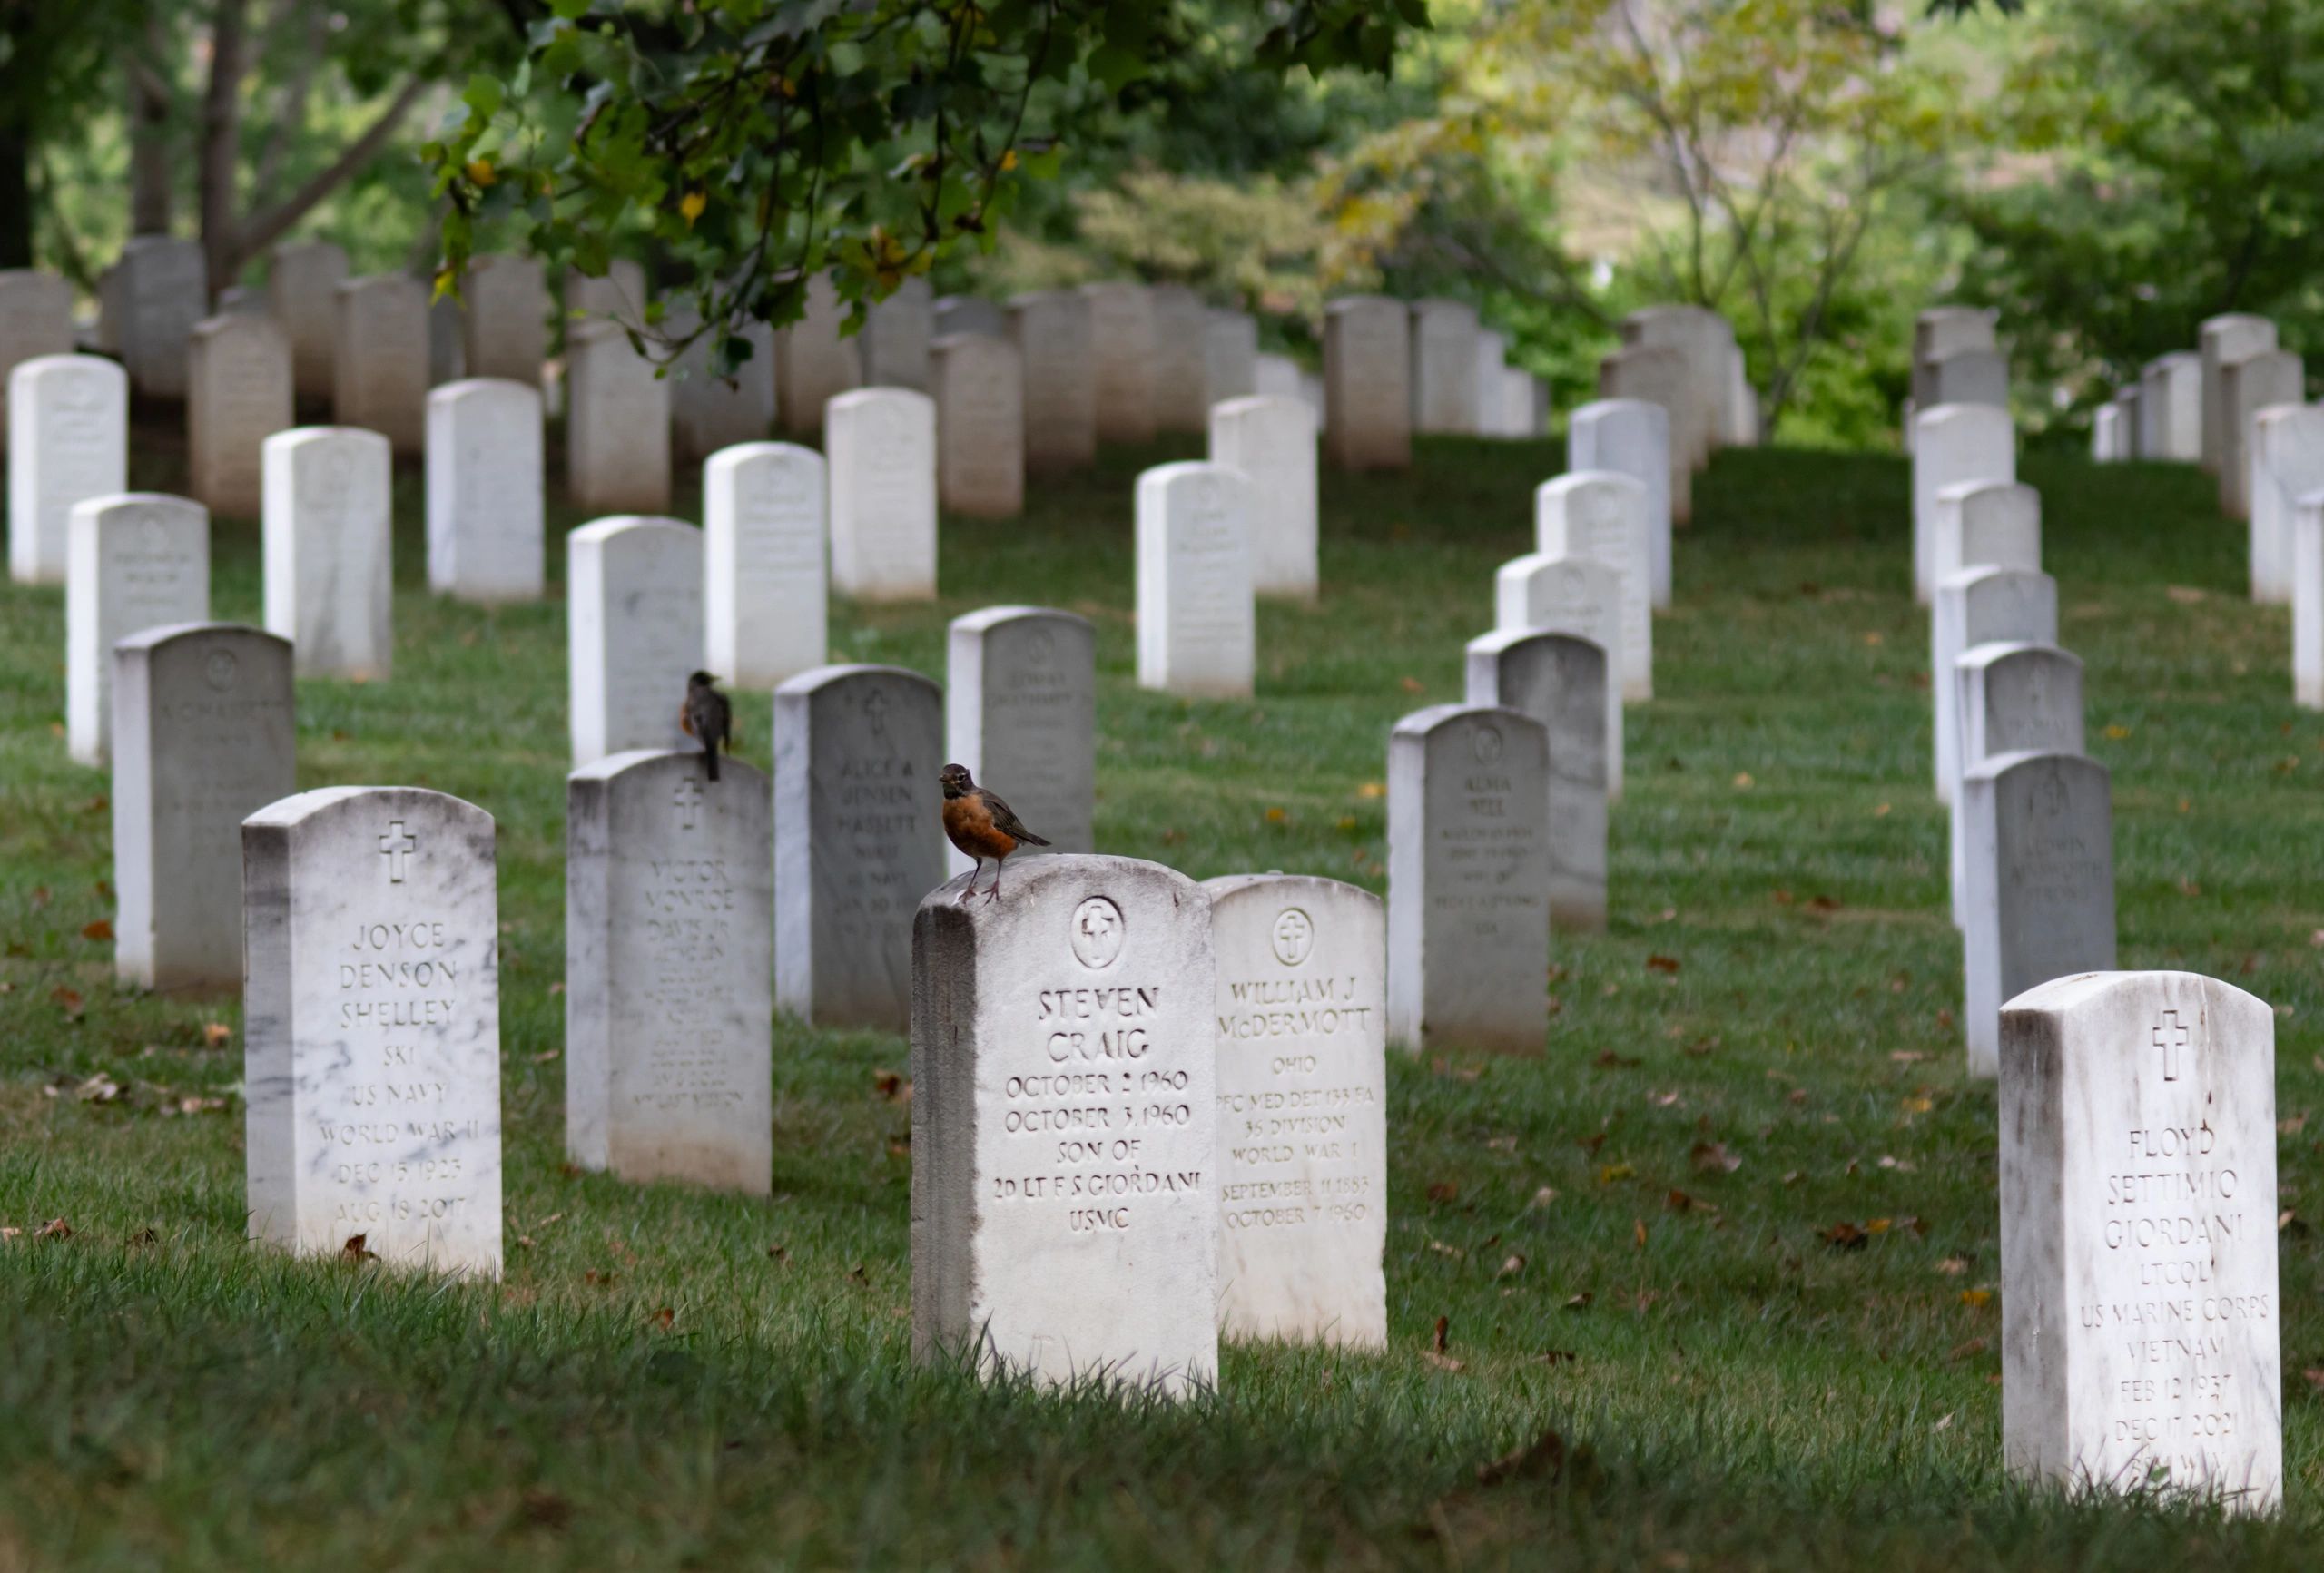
(221, 128)
(149, 133)
(15, 199)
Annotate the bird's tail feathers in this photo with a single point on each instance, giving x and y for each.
(1031, 838)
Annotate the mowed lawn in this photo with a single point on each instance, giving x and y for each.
(1629, 1240)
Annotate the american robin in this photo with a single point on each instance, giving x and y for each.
(706, 717)
(981, 825)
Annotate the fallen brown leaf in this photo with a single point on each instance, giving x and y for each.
(1510, 1266)
(101, 929)
(1444, 1333)
(1712, 1157)
(1444, 1191)
(1662, 964)
(358, 1249)
(54, 1229)
(216, 1034)
(68, 1000)
(1844, 1237)
(1580, 1301)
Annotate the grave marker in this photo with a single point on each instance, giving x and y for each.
(485, 537)
(2308, 602)
(1180, 366)
(1543, 593)
(882, 445)
(2245, 387)
(1367, 383)
(634, 632)
(2009, 698)
(1445, 367)
(1600, 516)
(139, 560)
(162, 287)
(897, 333)
(380, 359)
(1658, 375)
(1982, 605)
(764, 587)
(1122, 353)
(1968, 377)
(2286, 458)
(1272, 441)
(238, 395)
(2170, 408)
(1196, 627)
(1230, 352)
(68, 440)
(814, 365)
(505, 321)
(617, 424)
(980, 427)
(1021, 712)
(1560, 681)
(1051, 332)
(1631, 436)
(709, 412)
(328, 545)
(35, 321)
(2220, 341)
(302, 292)
(1952, 443)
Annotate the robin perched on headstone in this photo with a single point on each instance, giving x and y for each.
(981, 825)
(707, 718)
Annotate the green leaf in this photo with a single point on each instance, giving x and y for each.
(1115, 67)
(483, 95)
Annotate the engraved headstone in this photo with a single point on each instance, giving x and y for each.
(1952, 443)
(669, 967)
(139, 560)
(634, 632)
(2221, 340)
(1230, 353)
(202, 737)
(765, 587)
(1445, 367)
(1196, 624)
(1631, 436)
(2308, 600)
(1468, 879)
(617, 424)
(1560, 681)
(2247, 387)
(1600, 516)
(2141, 1300)
(1122, 355)
(380, 359)
(1051, 332)
(2287, 460)
(1065, 1194)
(1657, 374)
(163, 288)
(1021, 712)
(303, 294)
(506, 319)
(35, 319)
(897, 333)
(1367, 383)
(486, 535)
(371, 1028)
(238, 394)
(1980, 606)
(813, 364)
(68, 440)
(859, 840)
(2009, 698)
(328, 545)
(2170, 408)
(1541, 593)
(1707, 342)
(1273, 442)
(2039, 865)
(1180, 370)
(980, 427)
(1303, 1120)
(709, 412)
(882, 445)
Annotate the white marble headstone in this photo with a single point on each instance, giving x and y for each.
(897, 334)
(1978, 375)
(139, 560)
(979, 388)
(163, 287)
(634, 632)
(1230, 350)
(238, 395)
(1600, 517)
(1196, 624)
(1051, 332)
(1631, 436)
(1273, 442)
(882, 444)
(329, 543)
(2220, 341)
(302, 294)
(486, 536)
(813, 363)
(68, 440)
(1021, 712)
(1303, 1109)
(2170, 408)
(35, 321)
(1367, 383)
(2010, 698)
(1560, 681)
(1122, 354)
(2286, 459)
(1445, 367)
(505, 321)
(617, 424)
(371, 1027)
(2246, 387)
(1181, 369)
(1540, 593)
(709, 412)
(764, 585)
(380, 359)
(2308, 602)
(1659, 375)
(1952, 443)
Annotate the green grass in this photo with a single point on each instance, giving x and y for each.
(668, 1378)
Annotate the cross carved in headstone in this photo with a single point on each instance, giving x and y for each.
(395, 846)
(687, 800)
(2171, 1035)
(875, 711)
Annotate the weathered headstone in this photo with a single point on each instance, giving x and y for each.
(202, 737)
(1952, 443)
(2009, 698)
(139, 560)
(2170, 408)
(1986, 524)
(709, 412)
(380, 359)
(617, 424)
(35, 321)
(764, 587)
(1302, 1097)
(68, 440)
(1367, 383)
(1230, 352)
(2287, 461)
(882, 444)
(634, 632)
(506, 319)
(485, 537)
(328, 539)
(2039, 866)
(1541, 593)
(980, 391)
(813, 364)
(1600, 516)
(371, 1027)
(1197, 629)
(1559, 680)
(238, 395)
(858, 840)
(1468, 879)
(1021, 712)
(1444, 367)
(1180, 370)
(302, 292)
(2221, 340)
(1968, 377)
(1631, 436)
(1065, 1193)
(1051, 332)
(163, 289)
(669, 967)
(1704, 340)
(1658, 375)
(1273, 442)
(897, 335)
(1942, 330)
(2141, 1300)
(1980, 605)
(1122, 355)
(2247, 387)
(2308, 600)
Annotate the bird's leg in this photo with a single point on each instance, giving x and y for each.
(962, 898)
(994, 894)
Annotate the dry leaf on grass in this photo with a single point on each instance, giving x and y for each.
(1712, 1157)
(54, 1229)
(102, 929)
(216, 1034)
(1444, 1191)
(1845, 1237)
(1662, 964)
(358, 1249)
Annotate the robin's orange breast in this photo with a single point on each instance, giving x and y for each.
(970, 825)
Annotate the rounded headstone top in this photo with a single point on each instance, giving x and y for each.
(816, 678)
(95, 366)
(324, 804)
(872, 397)
(1097, 931)
(2079, 990)
(299, 436)
(988, 618)
(1994, 766)
(656, 758)
(1501, 641)
(154, 638)
(737, 454)
(1424, 721)
(618, 527)
(473, 387)
(1275, 882)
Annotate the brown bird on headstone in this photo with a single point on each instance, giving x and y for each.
(707, 718)
(981, 825)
